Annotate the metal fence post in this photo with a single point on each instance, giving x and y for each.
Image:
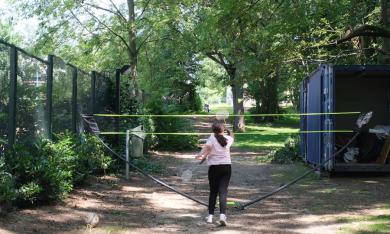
(74, 100)
(93, 92)
(49, 96)
(12, 95)
(127, 153)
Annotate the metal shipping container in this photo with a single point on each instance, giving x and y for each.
(342, 88)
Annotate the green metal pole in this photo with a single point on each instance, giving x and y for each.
(49, 96)
(74, 100)
(12, 95)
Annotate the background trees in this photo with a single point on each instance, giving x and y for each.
(262, 49)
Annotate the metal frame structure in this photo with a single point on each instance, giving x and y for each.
(13, 59)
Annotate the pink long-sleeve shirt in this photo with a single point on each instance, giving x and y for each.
(219, 155)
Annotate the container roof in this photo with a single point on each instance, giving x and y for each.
(363, 70)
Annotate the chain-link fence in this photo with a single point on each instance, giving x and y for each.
(62, 96)
(39, 97)
(4, 95)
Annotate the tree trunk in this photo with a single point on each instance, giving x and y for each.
(238, 102)
(385, 6)
(133, 53)
(270, 100)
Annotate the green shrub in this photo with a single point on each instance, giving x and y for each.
(30, 192)
(175, 142)
(41, 171)
(145, 164)
(47, 171)
(7, 187)
(289, 153)
(92, 156)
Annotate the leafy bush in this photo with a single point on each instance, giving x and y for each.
(175, 142)
(30, 192)
(41, 172)
(7, 187)
(145, 164)
(47, 171)
(173, 103)
(289, 153)
(92, 157)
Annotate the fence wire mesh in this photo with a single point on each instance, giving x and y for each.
(62, 96)
(42, 108)
(84, 101)
(31, 98)
(4, 96)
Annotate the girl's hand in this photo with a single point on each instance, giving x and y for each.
(230, 133)
(200, 157)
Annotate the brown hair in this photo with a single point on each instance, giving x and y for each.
(217, 129)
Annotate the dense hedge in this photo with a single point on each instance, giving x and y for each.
(46, 171)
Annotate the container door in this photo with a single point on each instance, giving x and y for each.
(328, 97)
(314, 122)
(303, 119)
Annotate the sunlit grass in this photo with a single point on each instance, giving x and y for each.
(366, 224)
(287, 173)
(268, 135)
(214, 108)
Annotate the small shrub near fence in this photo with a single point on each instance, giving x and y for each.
(289, 153)
(286, 155)
(47, 170)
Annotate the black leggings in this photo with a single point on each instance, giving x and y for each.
(219, 177)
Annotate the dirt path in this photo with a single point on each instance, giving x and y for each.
(141, 206)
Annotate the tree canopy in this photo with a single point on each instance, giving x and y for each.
(262, 49)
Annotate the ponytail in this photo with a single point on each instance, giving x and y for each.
(221, 140)
(217, 129)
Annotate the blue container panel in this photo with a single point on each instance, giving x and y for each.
(303, 119)
(314, 104)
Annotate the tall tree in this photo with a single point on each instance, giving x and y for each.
(91, 26)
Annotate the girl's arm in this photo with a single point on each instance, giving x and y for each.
(204, 152)
(230, 133)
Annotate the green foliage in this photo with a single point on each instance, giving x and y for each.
(30, 192)
(7, 189)
(262, 43)
(148, 166)
(40, 172)
(289, 153)
(92, 157)
(174, 142)
(213, 82)
(170, 125)
(47, 171)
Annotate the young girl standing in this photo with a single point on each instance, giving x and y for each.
(217, 151)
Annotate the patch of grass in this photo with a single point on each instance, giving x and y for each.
(268, 136)
(327, 190)
(386, 206)
(214, 108)
(116, 186)
(289, 172)
(113, 229)
(366, 224)
(264, 159)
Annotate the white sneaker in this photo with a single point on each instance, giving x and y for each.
(222, 219)
(209, 218)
